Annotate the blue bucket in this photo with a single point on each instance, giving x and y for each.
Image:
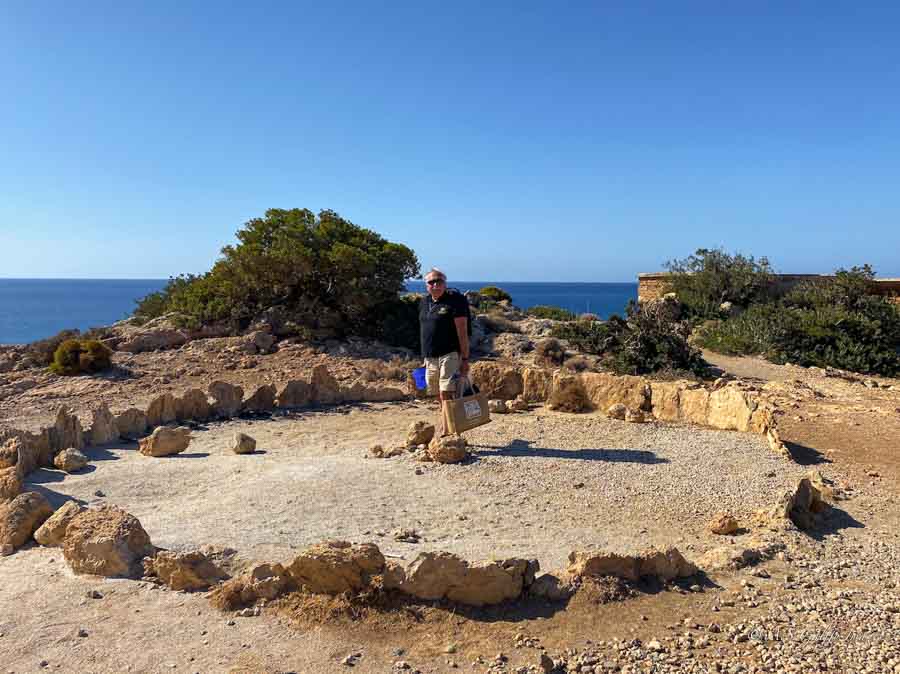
(419, 377)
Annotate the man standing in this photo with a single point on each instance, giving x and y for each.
(443, 322)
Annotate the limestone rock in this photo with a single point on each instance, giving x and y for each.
(496, 406)
(730, 408)
(21, 517)
(497, 380)
(188, 571)
(664, 564)
(262, 400)
(519, 404)
(66, 432)
(106, 541)
(325, 388)
(551, 587)
(132, 423)
(153, 340)
(798, 507)
(10, 484)
(103, 426)
(665, 400)
(694, 405)
(723, 524)
(259, 341)
(603, 389)
(9, 453)
(537, 383)
(227, 397)
(52, 532)
(165, 441)
(449, 449)
(296, 393)
(379, 452)
(335, 567)
(262, 581)
(773, 437)
(733, 557)
(243, 444)
(70, 460)
(162, 410)
(419, 433)
(193, 406)
(440, 575)
(634, 416)
(568, 394)
(617, 411)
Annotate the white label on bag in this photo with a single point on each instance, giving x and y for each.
(472, 409)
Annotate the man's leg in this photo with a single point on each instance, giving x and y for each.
(449, 369)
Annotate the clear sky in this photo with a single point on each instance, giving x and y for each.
(531, 141)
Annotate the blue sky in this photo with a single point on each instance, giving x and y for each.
(517, 141)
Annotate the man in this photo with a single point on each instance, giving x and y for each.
(443, 322)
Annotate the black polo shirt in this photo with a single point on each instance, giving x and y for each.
(436, 322)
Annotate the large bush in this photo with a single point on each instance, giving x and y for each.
(822, 322)
(708, 278)
(554, 313)
(323, 271)
(41, 351)
(647, 340)
(495, 294)
(81, 356)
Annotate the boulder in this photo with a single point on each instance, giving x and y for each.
(379, 452)
(262, 399)
(70, 460)
(227, 397)
(773, 437)
(193, 406)
(162, 410)
(153, 340)
(243, 444)
(617, 411)
(553, 588)
(722, 524)
(103, 426)
(693, 404)
(165, 441)
(568, 394)
(497, 380)
(10, 484)
(635, 416)
(603, 389)
(537, 384)
(419, 433)
(187, 571)
(665, 397)
(66, 432)
(296, 393)
(519, 404)
(442, 575)
(798, 507)
(335, 567)
(21, 517)
(496, 406)
(325, 388)
(449, 449)
(664, 564)
(262, 581)
(52, 532)
(732, 557)
(106, 541)
(730, 408)
(132, 423)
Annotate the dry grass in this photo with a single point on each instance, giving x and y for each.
(499, 323)
(569, 396)
(397, 369)
(577, 364)
(549, 352)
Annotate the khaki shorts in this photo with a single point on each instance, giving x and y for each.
(440, 372)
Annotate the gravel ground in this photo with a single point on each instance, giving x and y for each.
(540, 484)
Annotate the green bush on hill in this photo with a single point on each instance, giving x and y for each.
(325, 272)
(81, 356)
(553, 313)
(495, 294)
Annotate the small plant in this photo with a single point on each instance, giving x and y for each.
(75, 356)
(553, 313)
(549, 352)
(495, 294)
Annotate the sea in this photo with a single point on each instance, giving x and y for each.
(32, 309)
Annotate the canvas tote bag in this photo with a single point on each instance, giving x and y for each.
(468, 410)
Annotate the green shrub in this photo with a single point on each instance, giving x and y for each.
(42, 351)
(397, 323)
(324, 271)
(706, 279)
(750, 333)
(75, 356)
(553, 313)
(495, 294)
(585, 336)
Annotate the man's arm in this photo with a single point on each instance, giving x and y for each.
(462, 331)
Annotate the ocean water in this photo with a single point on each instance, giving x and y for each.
(603, 299)
(32, 309)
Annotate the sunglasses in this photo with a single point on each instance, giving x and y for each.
(435, 282)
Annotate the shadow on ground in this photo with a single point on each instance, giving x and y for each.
(805, 456)
(524, 448)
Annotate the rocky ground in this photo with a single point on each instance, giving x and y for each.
(539, 485)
